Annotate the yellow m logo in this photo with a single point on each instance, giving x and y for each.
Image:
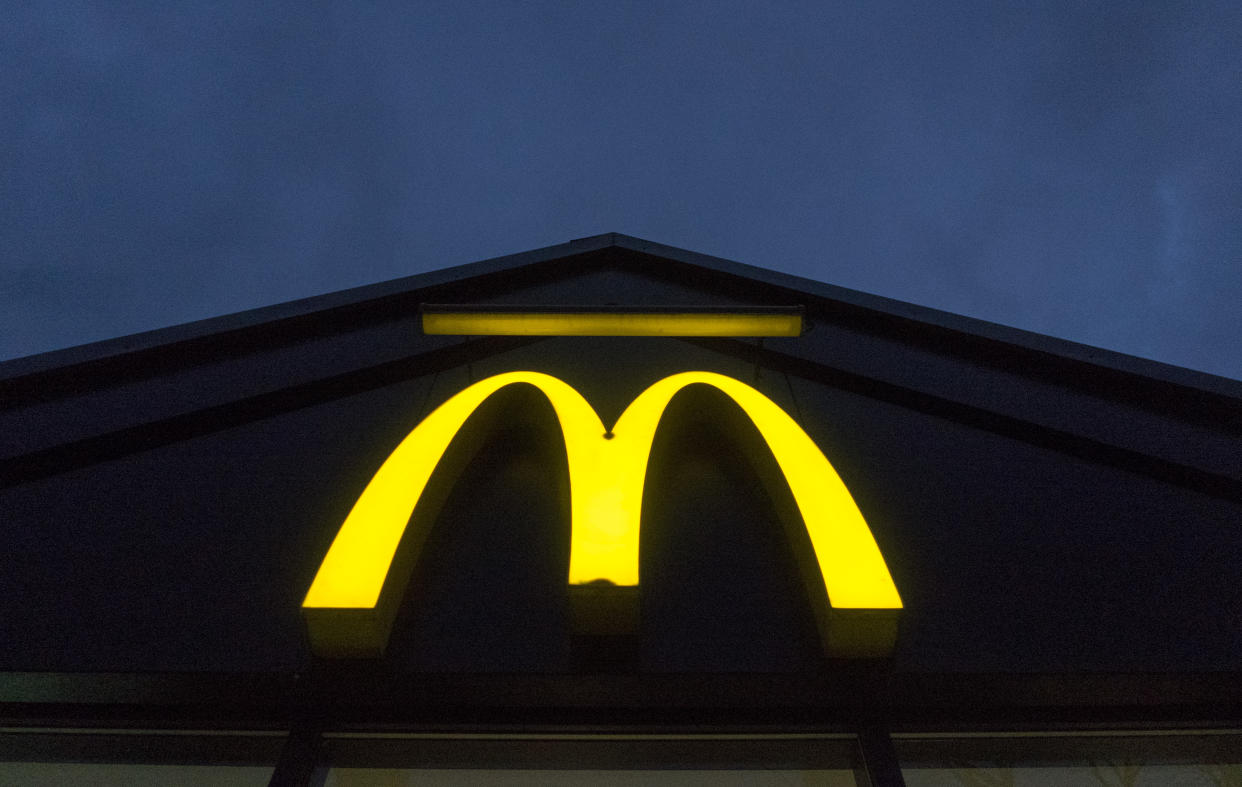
(607, 470)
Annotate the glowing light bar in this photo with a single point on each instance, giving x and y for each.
(611, 321)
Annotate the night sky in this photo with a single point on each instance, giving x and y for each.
(1070, 168)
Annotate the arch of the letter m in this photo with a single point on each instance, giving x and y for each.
(347, 616)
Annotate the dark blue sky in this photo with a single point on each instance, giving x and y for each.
(1069, 168)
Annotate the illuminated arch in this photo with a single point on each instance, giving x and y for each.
(853, 570)
(353, 572)
(606, 475)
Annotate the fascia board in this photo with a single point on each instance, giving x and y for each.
(303, 307)
(831, 295)
(823, 298)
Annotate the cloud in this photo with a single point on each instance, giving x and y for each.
(1071, 169)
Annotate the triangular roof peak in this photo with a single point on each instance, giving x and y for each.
(1139, 415)
(943, 331)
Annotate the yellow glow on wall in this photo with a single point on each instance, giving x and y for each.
(609, 323)
(606, 473)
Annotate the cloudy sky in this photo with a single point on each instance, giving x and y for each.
(1072, 168)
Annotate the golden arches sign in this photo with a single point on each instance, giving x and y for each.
(607, 470)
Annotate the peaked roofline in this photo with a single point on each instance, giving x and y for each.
(830, 295)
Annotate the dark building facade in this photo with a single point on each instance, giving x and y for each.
(1063, 525)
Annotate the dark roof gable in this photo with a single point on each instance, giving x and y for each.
(292, 320)
(1145, 416)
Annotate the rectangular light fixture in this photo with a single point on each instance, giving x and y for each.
(502, 320)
